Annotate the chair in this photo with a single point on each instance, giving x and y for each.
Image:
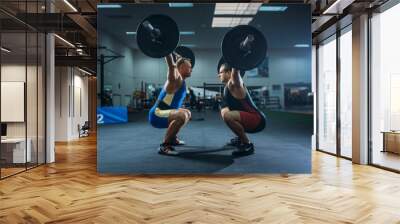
(84, 130)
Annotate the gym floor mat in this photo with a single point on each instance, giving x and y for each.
(284, 146)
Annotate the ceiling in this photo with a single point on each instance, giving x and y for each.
(81, 23)
(282, 29)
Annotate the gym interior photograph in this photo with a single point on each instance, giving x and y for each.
(144, 111)
(134, 71)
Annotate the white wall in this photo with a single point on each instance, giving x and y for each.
(70, 84)
(61, 103)
(17, 73)
(79, 117)
(10, 73)
(33, 126)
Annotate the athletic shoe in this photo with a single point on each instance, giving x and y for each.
(244, 150)
(167, 149)
(177, 142)
(234, 142)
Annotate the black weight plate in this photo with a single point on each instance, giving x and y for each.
(222, 61)
(186, 53)
(167, 41)
(236, 57)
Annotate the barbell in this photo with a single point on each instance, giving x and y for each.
(244, 47)
(157, 35)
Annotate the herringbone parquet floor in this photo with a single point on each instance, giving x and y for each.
(70, 191)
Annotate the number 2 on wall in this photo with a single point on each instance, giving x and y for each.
(100, 119)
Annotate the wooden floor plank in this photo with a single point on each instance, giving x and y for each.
(70, 191)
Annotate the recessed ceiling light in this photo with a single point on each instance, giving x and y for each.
(236, 8)
(187, 33)
(230, 21)
(109, 6)
(181, 5)
(337, 7)
(65, 41)
(272, 8)
(5, 50)
(188, 45)
(301, 45)
(70, 5)
(84, 71)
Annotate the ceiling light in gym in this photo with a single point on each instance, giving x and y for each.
(301, 45)
(109, 6)
(188, 33)
(236, 8)
(189, 45)
(180, 5)
(230, 21)
(269, 8)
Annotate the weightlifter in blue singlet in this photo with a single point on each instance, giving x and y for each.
(167, 111)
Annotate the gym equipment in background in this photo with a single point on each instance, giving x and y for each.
(103, 60)
(157, 36)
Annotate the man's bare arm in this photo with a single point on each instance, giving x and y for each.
(235, 78)
(171, 67)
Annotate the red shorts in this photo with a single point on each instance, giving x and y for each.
(250, 121)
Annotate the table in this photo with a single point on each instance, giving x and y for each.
(13, 150)
(391, 141)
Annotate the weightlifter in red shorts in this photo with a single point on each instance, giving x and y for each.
(239, 111)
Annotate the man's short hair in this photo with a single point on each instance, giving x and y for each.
(180, 61)
(227, 67)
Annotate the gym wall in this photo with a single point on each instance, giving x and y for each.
(287, 65)
(119, 72)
